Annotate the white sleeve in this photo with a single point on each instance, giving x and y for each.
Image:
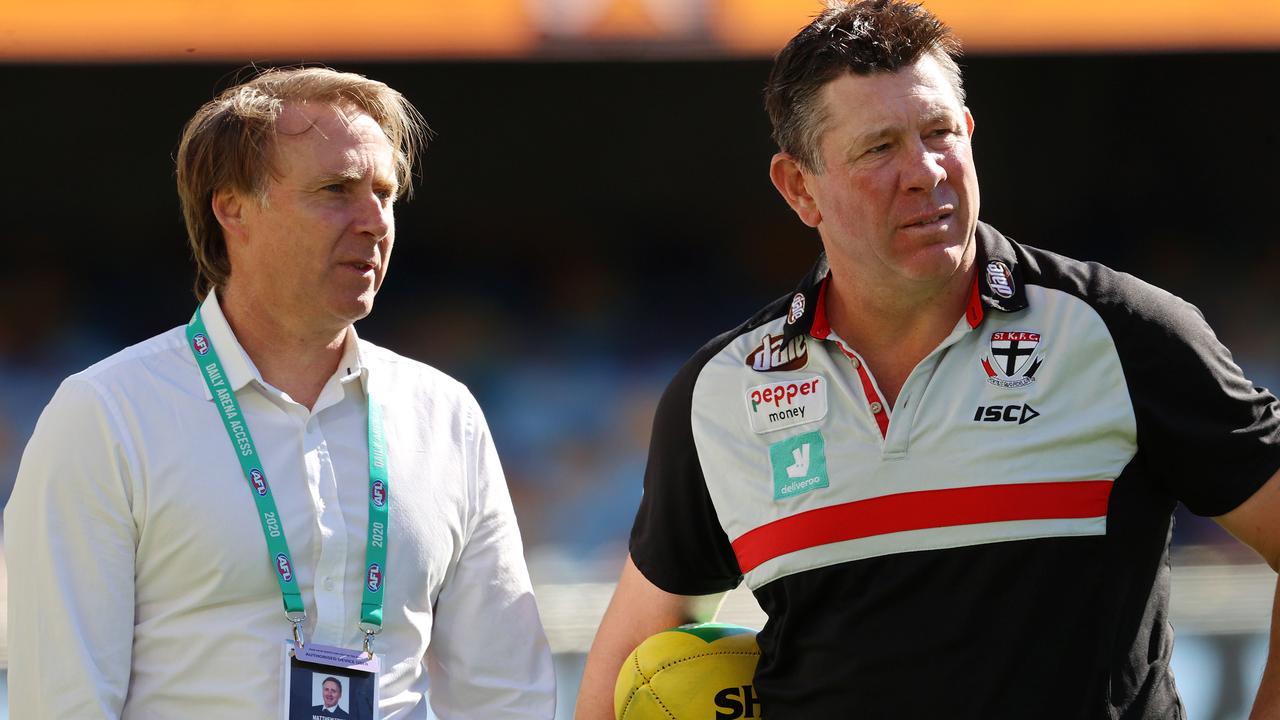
(70, 538)
(488, 657)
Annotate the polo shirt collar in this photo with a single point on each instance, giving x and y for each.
(238, 367)
(997, 286)
(805, 302)
(1000, 283)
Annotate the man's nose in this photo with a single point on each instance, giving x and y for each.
(923, 170)
(374, 216)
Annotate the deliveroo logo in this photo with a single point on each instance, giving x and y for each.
(799, 465)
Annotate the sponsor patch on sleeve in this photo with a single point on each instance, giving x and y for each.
(787, 403)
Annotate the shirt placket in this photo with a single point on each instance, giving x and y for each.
(331, 562)
(876, 409)
(896, 437)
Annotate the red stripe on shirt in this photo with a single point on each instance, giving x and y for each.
(882, 417)
(973, 313)
(820, 328)
(922, 510)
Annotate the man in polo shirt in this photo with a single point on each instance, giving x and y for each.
(175, 495)
(946, 464)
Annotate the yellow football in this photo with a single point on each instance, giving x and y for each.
(692, 672)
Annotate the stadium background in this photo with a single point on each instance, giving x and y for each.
(595, 205)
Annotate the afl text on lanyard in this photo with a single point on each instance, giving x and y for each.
(379, 498)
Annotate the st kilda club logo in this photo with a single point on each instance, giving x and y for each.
(1013, 359)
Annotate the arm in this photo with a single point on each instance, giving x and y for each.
(488, 656)
(1256, 522)
(677, 538)
(70, 539)
(638, 609)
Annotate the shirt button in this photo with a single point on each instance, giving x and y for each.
(328, 583)
(853, 361)
(876, 408)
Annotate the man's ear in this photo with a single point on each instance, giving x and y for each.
(968, 119)
(229, 208)
(792, 183)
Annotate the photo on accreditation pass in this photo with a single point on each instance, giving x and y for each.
(324, 691)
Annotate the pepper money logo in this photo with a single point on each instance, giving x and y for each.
(259, 481)
(375, 577)
(201, 344)
(779, 405)
(1010, 364)
(378, 493)
(772, 355)
(283, 567)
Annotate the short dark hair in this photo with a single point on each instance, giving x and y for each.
(849, 37)
(335, 680)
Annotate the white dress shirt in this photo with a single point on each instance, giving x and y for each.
(139, 581)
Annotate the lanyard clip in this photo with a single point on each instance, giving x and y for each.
(296, 618)
(369, 630)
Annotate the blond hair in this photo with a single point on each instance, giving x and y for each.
(227, 145)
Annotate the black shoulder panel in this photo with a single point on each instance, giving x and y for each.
(677, 541)
(1206, 435)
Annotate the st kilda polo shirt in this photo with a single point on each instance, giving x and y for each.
(996, 545)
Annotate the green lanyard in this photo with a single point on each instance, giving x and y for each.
(272, 528)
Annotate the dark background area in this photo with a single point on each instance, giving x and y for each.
(580, 228)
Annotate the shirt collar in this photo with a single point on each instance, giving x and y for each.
(805, 302)
(238, 367)
(352, 366)
(997, 285)
(1000, 283)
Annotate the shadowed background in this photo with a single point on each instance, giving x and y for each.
(595, 205)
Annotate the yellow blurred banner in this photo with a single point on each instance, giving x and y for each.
(241, 29)
(1043, 26)
(124, 30)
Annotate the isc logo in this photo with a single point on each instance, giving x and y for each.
(259, 481)
(282, 567)
(375, 577)
(737, 702)
(1020, 414)
(200, 343)
(378, 493)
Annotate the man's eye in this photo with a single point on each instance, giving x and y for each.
(385, 195)
(334, 188)
(878, 149)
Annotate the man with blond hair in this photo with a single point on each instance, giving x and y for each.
(142, 581)
(946, 464)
